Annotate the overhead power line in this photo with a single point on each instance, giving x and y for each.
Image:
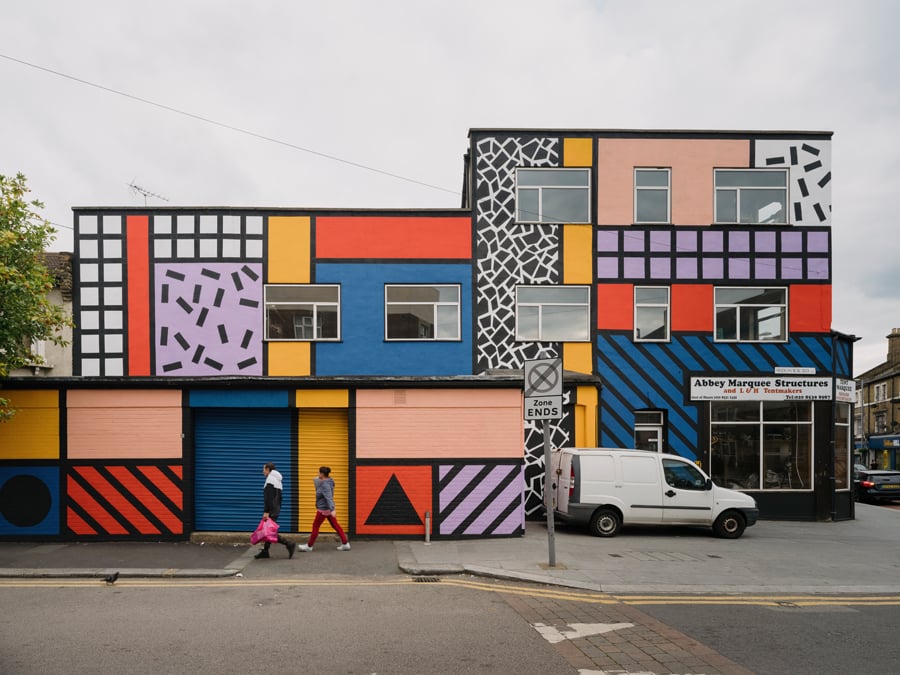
(230, 127)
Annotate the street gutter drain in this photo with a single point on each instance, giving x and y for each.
(426, 580)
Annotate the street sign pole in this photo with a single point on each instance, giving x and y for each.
(548, 496)
(543, 401)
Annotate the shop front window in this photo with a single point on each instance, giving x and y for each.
(761, 445)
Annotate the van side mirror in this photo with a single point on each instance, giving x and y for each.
(709, 484)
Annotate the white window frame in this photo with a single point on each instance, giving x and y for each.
(744, 307)
(644, 189)
(543, 311)
(532, 188)
(438, 307)
(881, 392)
(666, 306)
(781, 218)
(290, 329)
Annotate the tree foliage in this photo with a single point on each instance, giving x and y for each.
(26, 312)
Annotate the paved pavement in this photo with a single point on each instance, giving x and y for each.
(857, 556)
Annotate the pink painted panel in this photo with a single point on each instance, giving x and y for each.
(428, 424)
(124, 424)
(692, 162)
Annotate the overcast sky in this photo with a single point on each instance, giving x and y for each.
(395, 86)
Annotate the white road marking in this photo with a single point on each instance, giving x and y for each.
(577, 630)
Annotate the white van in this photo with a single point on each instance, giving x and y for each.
(606, 488)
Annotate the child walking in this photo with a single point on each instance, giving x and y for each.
(325, 509)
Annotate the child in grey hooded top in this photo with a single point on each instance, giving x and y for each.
(325, 510)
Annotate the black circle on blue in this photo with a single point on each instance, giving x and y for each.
(25, 500)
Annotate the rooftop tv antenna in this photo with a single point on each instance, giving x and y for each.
(138, 190)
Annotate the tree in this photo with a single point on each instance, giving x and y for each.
(26, 312)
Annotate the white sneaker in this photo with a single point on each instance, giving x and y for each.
(304, 548)
(344, 547)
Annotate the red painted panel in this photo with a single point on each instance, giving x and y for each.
(147, 499)
(392, 499)
(103, 518)
(615, 306)
(401, 237)
(163, 484)
(117, 500)
(810, 308)
(692, 307)
(138, 228)
(76, 523)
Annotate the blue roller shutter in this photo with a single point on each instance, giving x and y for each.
(230, 447)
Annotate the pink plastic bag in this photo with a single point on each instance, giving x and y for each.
(267, 530)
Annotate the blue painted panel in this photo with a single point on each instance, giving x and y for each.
(363, 349)
(29, 500)
(230, 451)
(239, 399)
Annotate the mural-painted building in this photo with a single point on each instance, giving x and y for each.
(684, 279)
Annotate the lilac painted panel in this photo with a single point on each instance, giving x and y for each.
(686, 268)
(713, 242)
(791, 242)
(817, 268)
(608, 241)
(817, 242)
(739, 268)
(738, 242)
(634, 268)
(661, 241)
(633, 240)
(765, 268)
(792, 268)
(660, 268)
(208, 318)
(474, 500)
(607, 268)
(713, 268)
(686, 241)
(765, 242)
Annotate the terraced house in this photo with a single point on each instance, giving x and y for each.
(682, 277)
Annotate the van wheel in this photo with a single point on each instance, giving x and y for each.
(605, 523)
(730, 525)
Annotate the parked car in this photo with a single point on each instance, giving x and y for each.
(875, 485)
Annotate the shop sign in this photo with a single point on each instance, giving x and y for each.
(845, 390)
(760, 388)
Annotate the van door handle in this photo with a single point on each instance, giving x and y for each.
(670, 493)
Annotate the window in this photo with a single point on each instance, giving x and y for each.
(553, 313)
(651, 314)
(842, 446)
(761, 445)
(683, 476)
(751, 314)
(421, 312)
(553, 195)
(651, 195)
(751, 195)
(880, 423)
(302, 312)
(881, 392)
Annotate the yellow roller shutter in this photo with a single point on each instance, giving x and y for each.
(323, 442)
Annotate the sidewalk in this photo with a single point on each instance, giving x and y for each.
(856, 556)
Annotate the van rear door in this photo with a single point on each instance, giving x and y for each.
(685, 496)
(561, 468)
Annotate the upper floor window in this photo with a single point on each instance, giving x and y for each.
(651, 195)
(302, 312)
(751, 195)
(881, 392)
(651, 313)
(751, 314)
(421, 312)
(553, 313)
(553, 195)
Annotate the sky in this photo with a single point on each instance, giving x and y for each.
(361, 104)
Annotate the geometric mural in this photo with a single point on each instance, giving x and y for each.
(480, 500)
(208, 318)
(810, 176)
(392, 499)
(29, 500)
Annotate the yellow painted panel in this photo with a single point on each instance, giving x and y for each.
(33, 432)
(578, 357)
(289, 250)
(586, 417)
(289, 359)
(578, 262)
(323, 398)
(578, 151)
(323, 441)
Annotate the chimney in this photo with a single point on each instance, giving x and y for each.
(893, 355)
